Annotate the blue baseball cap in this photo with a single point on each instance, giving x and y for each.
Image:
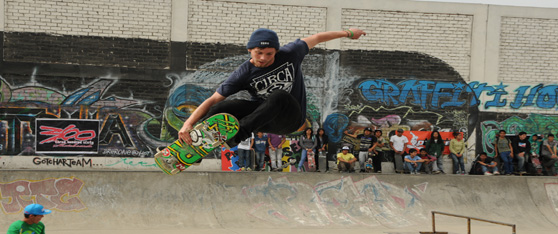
(263, 38)
(36, 209)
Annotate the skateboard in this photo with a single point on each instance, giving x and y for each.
(206, 136)
(267, 163)
(369, 168)
(288, 163)
(311, 160)
(253, 159)
(322, 159)
(537, 164)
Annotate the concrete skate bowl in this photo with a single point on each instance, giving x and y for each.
(261, 200)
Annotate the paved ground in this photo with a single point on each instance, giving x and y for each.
(256, 202)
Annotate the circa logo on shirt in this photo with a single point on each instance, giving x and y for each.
(280, 78)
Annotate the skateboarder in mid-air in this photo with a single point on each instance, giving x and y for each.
(273, 77)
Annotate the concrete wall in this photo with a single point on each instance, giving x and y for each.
(146, 66)
(95, 201)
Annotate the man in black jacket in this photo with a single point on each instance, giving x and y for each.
(521, 148)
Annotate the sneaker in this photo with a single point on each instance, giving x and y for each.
(487, 173)
(248, 169)
(442, 172)
(463, 173)
(437, 172)
(413, 173)
(243, 168)
(496, 173)
(522, 172)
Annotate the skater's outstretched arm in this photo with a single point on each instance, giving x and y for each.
(353, 33)
(184, 133)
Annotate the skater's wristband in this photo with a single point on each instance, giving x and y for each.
(350, 33)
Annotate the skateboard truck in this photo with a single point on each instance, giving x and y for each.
(209, 140)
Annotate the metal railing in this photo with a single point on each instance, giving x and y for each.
(468, 222)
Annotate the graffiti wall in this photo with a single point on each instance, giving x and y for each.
(136, 111)
(61, 194)
(346, 201)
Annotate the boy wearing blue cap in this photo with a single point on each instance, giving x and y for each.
(31, 222)
(273, 77)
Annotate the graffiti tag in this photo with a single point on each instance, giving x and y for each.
(131, 162)
(66, 162)
(60, 194)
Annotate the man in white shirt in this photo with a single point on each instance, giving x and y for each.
(398, 143)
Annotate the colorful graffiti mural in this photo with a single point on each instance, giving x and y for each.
(532, 124)
(539, 95)
(61, 194)
(122, 123)
(345, 201)
(135, 119)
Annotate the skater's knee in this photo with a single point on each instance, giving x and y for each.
(279, 96)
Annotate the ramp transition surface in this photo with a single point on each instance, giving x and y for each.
(250, 202)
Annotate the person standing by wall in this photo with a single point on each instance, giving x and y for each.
(504, 151)
(398, 143)
(244, 158)
(366, 146)
(435, 147)
(275, 149)
(380, 151)
(521, 147)
(549, 154)
(457, 149)
(260, 145)
(307, 143)
(323, 141)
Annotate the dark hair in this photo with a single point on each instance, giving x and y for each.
(550, 135)
(412, 151)
(432, 135)
(535, 135)
(306, 130)
(320, 129)
(26, 215)
(423, 149)
(456, 133)
(378, 130)
(483, 153)
(504, 131)
(522, 133)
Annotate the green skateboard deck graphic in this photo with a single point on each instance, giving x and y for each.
(206, 136)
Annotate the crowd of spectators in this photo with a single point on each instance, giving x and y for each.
(513, 155)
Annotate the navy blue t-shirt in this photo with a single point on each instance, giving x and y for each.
(285, 73)
(260, 144)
